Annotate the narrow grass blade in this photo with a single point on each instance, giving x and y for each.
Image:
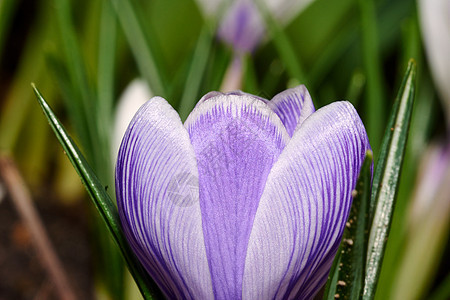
(283, 46)
(356, 87)
(330, 287)
(405, 97)
(442, 292)
(386, 179)
(75, 110)
(250, 78)
(101, 200)
(106, 62)
(220, 58)
(17, 98)
(7, 10)
(372, 64)
(354, 242)
(145, 57)
(348, 268)
(335, 49)
(105, 84)
(196, 73)
(75, 65)
(421, 120)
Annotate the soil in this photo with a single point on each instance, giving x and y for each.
(22, 275)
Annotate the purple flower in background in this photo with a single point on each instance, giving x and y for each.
(247, 199)
(243, 28)
(242, 25)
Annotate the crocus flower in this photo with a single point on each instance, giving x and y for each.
(245, 200)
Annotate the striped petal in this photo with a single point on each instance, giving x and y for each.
(293, 106)
(236, 138)
(302, 212)
(157, 198)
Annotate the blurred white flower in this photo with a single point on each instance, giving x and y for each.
(135, 94)
(435, 24)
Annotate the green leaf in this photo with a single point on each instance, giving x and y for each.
(404, 101)
(283, 45)
(75, 64)
(421, 119)
(73, 107)
(354, 241)
(348, 268)
(330, 287)
(386, 179)
(196, 73)
(143, 53)
(220, 59)
(105, 74)
(442, 292)
(15, 103)
(101, 200)
(317, 26)
(372, 65)
(7, 11)
(335, 49)
(250, 78)
(79, 94)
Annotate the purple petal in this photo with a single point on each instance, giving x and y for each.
(236, 138)
(157, 198)
(293, 106)
(302, 212)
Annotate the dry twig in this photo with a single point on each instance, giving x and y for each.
(21, 199)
